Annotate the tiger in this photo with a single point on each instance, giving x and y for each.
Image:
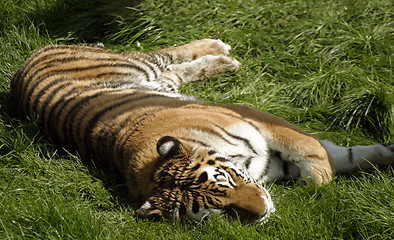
(180, 158)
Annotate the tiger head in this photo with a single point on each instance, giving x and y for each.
(194, 184)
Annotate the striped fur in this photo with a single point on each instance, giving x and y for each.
(179, 158)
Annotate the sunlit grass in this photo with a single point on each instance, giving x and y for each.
(326, 66)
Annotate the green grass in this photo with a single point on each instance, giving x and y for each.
(325, 66)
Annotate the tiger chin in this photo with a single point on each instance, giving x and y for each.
(180, 158)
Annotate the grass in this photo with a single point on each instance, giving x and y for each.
(325, 66)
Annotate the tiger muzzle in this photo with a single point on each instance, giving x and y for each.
(250, 202)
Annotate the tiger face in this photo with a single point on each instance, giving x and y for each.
(196, 183)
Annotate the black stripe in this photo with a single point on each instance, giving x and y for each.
(211, 162)
(221, 159)
(209, 200)
(78, 57)
(236, 156)
(214, 132)
(60, 103)
(76, 108)
(180, 78)
(152, 68)
(49, 98)
(98, 115)
(122, 139)
(195, 206)
(44, 90)
(28, 66)
(171, 83)
(121, 125)
(211, 152)
(232, 184)
(244, 140)
(47, 121)
(266, 169)
(68, 70)
(26, 98)
(35, 58)
(110, 74)
(247, 162)
(106, 138)
(160, 59)
(389, 146)
(351, 160)
(197, 141)
(286, 170)
(182, 209)
(52, 121)
(239, 117)
(82, 133)
(236, 173)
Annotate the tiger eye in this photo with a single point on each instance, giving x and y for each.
(196, 167)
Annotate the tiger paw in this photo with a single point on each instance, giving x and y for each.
(201, 68)
(198, 49)
(210, 47)
(215, 65)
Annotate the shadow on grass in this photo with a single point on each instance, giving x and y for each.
(86, 21)
(19, 133)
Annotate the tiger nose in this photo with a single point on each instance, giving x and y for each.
(250, 202)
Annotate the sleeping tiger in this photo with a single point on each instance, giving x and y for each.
(180, 158)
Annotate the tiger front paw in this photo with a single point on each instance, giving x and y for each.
(216, 65)
(217, 47)
(204, 47)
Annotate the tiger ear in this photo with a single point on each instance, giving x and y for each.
(170, 147)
